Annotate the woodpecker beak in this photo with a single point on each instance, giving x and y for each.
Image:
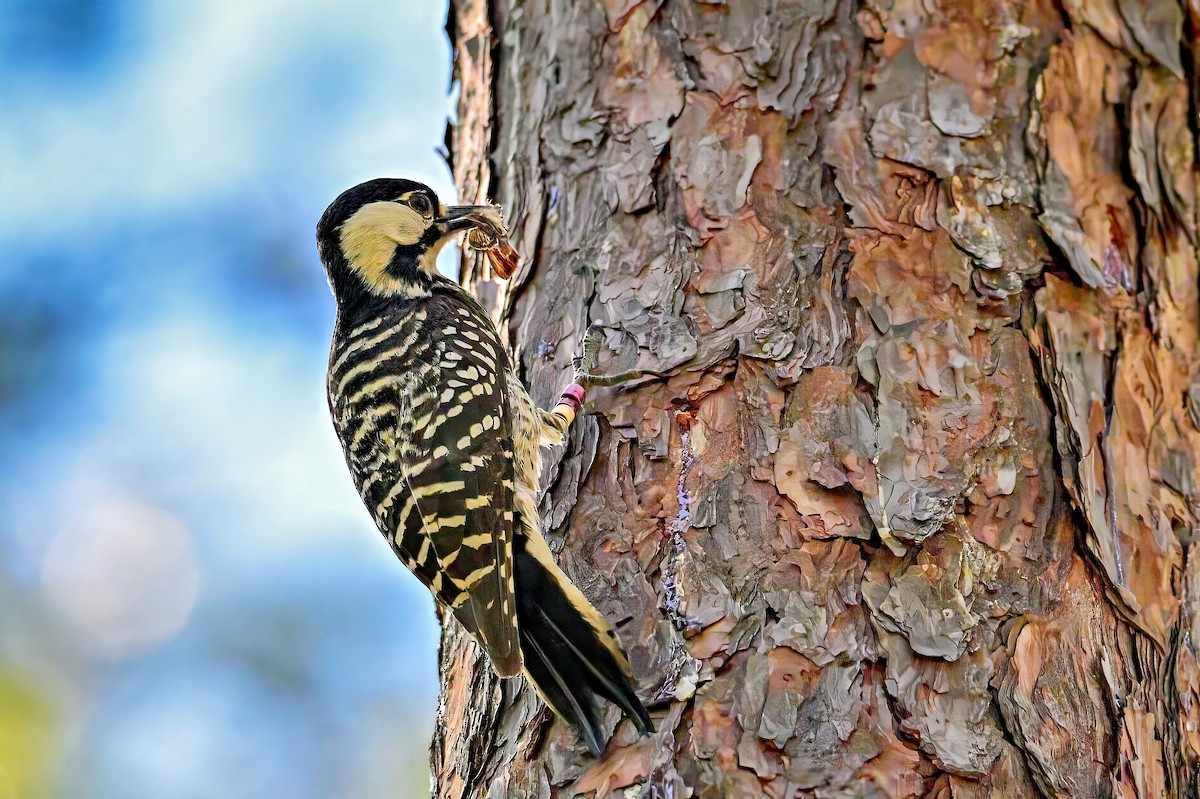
(492, 238)
(464, 217)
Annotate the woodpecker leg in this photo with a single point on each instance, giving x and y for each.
(556, 422)
(585, 364)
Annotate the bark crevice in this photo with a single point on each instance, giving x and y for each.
(908, 512)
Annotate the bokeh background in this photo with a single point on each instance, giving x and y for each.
(192, 601)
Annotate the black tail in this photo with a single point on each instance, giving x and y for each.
(567, 656)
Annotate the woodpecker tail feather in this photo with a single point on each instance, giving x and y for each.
(571, 654)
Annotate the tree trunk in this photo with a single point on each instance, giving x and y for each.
(907, 507)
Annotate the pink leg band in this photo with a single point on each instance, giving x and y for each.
(573, 396)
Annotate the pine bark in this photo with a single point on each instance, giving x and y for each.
(906, 504)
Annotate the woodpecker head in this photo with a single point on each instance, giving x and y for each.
(383, 236)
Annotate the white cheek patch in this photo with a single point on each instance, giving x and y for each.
(369, 239)
(409, 226)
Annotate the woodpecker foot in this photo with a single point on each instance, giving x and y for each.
(586, 361)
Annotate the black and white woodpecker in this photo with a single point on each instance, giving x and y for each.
(442, 441)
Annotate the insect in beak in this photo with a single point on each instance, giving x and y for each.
(487, 234)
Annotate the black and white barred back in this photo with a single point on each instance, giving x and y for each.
(443, 441)
(418, 397)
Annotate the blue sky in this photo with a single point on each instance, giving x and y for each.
(190, 584)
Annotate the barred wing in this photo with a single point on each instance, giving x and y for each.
(438, 471)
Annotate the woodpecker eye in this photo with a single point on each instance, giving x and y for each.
(421, 204)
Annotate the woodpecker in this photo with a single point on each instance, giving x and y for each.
(443, 443)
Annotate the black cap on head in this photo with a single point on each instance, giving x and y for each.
(354, 198)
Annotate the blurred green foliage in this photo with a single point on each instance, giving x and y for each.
(27, 737)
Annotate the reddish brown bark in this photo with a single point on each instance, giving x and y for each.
(910, 510)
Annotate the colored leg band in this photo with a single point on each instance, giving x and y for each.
(565, 412)
(573, 397)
